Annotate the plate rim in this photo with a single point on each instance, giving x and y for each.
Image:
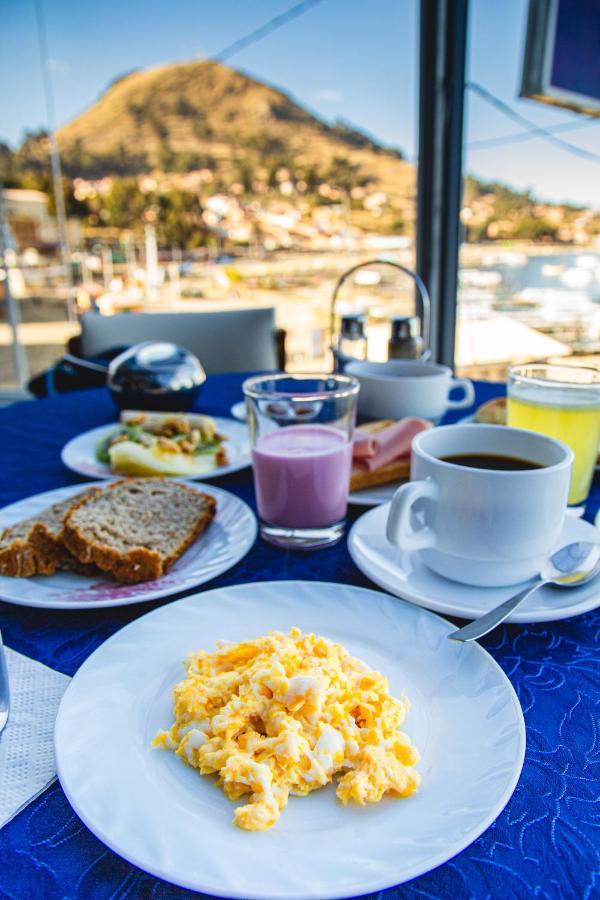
(235, 411)
(416, 870)
(355, 498)
(443, 608)
(221, 421)
(150, 596)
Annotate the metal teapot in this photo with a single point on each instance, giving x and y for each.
(155, 375)
(409, 338)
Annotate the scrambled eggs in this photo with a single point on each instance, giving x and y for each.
(285, 713)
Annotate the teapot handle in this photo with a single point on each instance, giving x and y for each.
(422, 295)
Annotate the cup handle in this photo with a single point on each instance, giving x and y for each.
(469, 396)
(398, 529)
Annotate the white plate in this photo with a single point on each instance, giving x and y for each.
(405, 575)
(164, 817)
(374, 496)
(79, 454)
(227, 539)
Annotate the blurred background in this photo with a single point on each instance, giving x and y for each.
(206, 157)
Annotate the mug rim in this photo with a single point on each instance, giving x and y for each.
(357, 367)
(569, 456)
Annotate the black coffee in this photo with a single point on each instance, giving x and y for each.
(492, 461)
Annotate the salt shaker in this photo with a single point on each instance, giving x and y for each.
(352, 341)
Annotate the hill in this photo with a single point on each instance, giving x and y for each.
(202, 114)
(160, 143)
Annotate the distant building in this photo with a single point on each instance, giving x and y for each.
(29, 219)
(30, 222)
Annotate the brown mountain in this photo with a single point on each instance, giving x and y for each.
(191, 115)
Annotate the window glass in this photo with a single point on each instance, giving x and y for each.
(529, 282)
(230, 155)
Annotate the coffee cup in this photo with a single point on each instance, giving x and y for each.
(400, 387)
(485, 505)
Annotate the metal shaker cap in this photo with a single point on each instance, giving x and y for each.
(352, 327)
(405, 328)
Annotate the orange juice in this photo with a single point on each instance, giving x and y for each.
(579, 427)
(569, 416)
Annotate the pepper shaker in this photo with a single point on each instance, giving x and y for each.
(405, 339)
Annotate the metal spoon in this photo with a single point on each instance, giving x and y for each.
(571, 566)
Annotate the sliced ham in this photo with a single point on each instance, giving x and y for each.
(373, 451)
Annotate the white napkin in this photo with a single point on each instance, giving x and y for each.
(27, 742)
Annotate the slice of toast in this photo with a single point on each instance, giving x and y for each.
(137, 528)
(34, 546)
(398, 470)
(47, 534)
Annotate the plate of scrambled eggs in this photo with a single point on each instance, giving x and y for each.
(289, 740)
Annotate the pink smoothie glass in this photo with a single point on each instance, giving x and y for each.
(301, 429)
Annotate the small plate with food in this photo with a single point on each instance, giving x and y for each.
(184, 445)
(331, 727)
(381, 459)
(130, 541)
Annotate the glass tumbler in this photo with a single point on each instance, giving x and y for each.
(562, 402)
(301, 430)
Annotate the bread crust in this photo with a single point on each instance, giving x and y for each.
(50, 544)
(138, 563)
(394, 471)
(22, 560)
(54, 550)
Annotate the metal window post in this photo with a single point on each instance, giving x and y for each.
(443, 41)
(20, 364)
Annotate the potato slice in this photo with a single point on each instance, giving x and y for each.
(129, 458)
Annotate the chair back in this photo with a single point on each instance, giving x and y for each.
(241, 340)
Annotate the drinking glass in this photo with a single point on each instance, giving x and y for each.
(562, 402)
(301, 429)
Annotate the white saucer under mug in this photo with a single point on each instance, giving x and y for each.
(406, 575)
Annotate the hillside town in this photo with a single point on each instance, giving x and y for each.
(238, 196)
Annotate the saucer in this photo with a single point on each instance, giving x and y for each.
(404, 574)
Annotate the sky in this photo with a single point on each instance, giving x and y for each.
(352, 59)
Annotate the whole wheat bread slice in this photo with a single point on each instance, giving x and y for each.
(47, 534)
(34, 546)
(137, 528)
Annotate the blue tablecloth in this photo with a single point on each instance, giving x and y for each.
(544, 844)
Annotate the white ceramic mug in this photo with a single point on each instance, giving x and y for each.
(407, 387)
(482, 526)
